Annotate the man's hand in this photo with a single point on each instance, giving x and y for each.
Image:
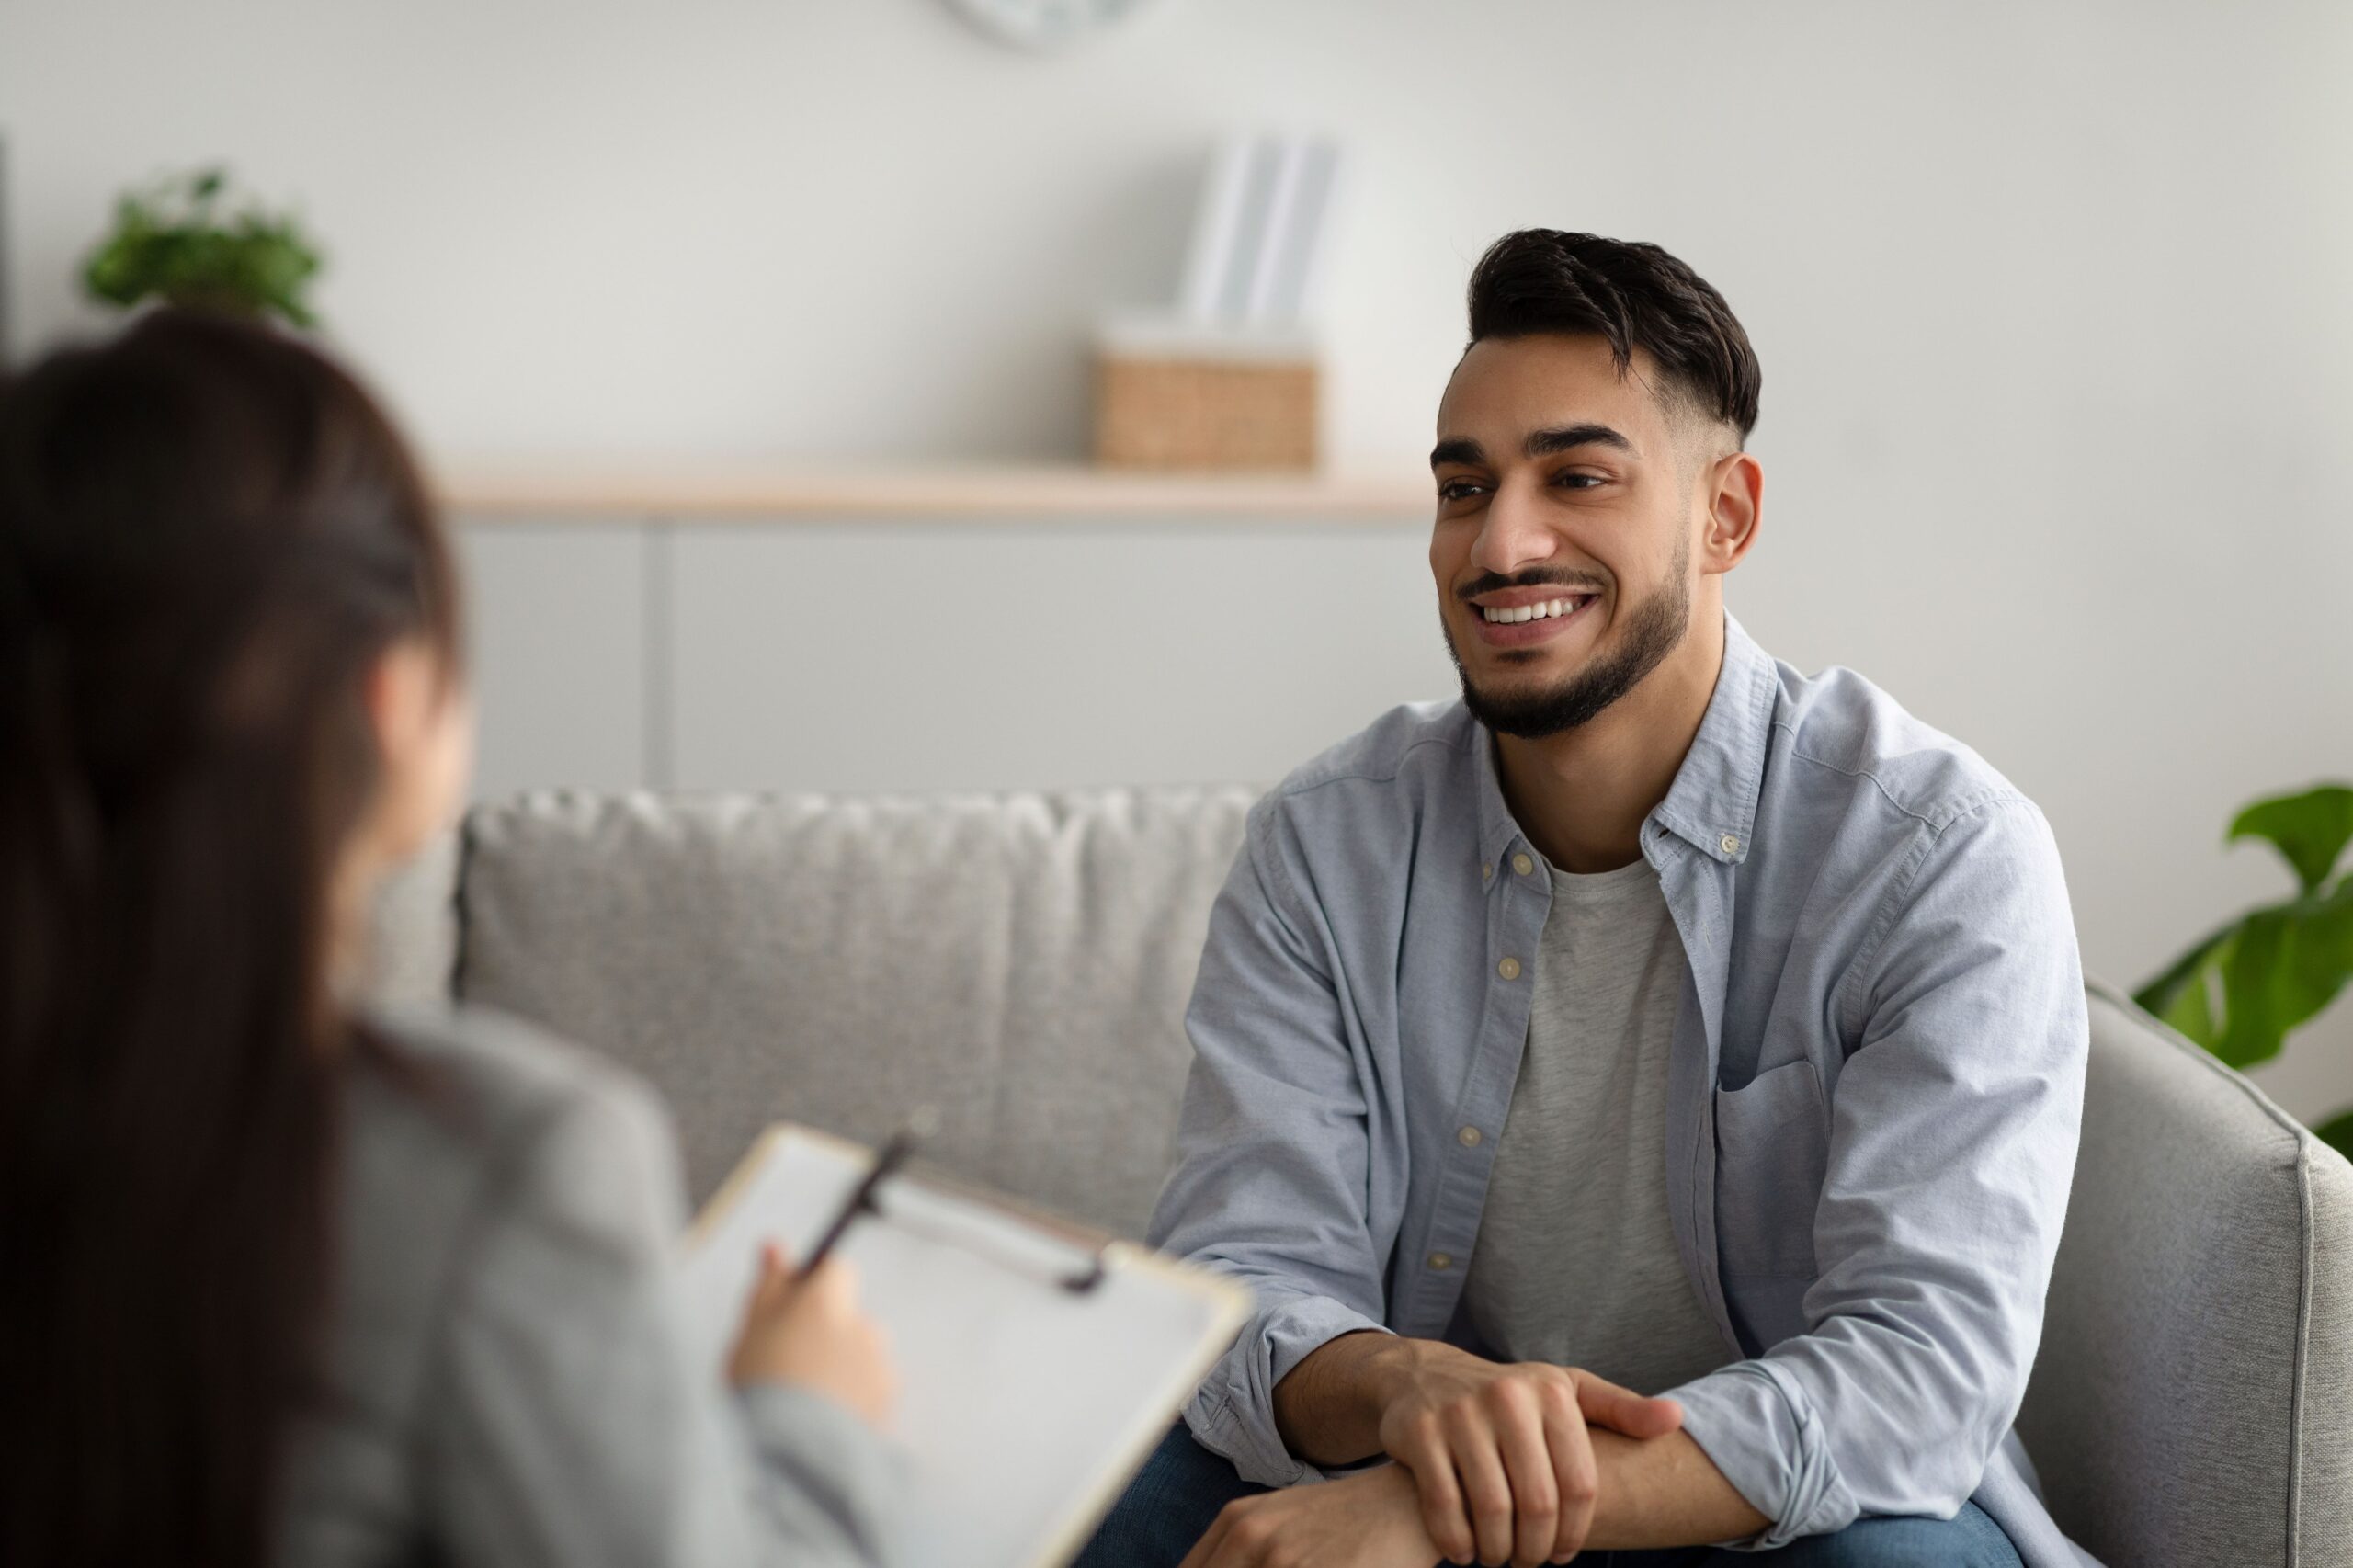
(1367, 1520)
(1500, 1455)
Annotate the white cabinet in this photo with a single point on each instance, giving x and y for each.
(878, 655)
(557, 615)
(928, 654)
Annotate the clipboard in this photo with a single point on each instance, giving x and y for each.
(1039, 1362)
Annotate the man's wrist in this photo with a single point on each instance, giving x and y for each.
(1666, 1492)
(1329, 1408)
(1384, 1375)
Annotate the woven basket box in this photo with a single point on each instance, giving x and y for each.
(1211, 401)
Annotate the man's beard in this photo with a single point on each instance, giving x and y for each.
(1650, 634)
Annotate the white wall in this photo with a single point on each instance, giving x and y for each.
(2056, 300)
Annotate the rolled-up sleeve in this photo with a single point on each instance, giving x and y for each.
(1272, 1149)
(1954, 1129)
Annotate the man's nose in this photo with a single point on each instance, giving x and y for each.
(1514, 535)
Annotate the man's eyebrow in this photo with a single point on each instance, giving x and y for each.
(1458, 450)
(1544, 443)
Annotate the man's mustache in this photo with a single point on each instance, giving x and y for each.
(1490, 583)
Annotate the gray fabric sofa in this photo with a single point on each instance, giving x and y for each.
(1022, 962)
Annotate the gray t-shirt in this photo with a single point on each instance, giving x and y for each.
(1575, 1262)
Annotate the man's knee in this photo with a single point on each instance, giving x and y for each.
(1169, 1507)
(1969, 1539)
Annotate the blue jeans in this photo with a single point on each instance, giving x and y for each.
(1172, 1502)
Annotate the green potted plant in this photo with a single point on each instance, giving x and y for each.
(176, 242)
(2242, 990)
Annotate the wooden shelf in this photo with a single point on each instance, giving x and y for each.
(1033, 493)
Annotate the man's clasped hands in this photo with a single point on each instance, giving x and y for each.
(1495, 1463)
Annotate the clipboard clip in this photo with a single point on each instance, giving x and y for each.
(866, 1199)
(1077, 1281)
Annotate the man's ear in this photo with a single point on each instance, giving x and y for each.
(1734, 488)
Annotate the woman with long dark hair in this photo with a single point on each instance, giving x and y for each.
(283, 1280)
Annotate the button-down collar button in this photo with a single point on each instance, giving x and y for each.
(1732, 845)
(1522, 864)
(1487, 870)
(1509, 969)
(1442, 1261)
(1468, 1137)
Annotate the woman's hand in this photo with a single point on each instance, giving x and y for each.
(1372, 1519)
(811, 1331)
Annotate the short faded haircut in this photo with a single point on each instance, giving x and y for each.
(1631, 295)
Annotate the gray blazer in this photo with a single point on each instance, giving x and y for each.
(508, 1380)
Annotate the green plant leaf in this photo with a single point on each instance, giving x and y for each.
(2183, 995)
(2194, 1011)
(171, 247)
(2284, 966)
(2311, 829)
(2337, 1132)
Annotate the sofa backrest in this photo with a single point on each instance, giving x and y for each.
(1022, 963)
(1019, 963)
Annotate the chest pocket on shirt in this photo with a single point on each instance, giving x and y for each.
(1772, 1154)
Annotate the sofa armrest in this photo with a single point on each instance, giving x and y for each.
(2193, 1399)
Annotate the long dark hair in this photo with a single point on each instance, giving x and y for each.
(207, 534)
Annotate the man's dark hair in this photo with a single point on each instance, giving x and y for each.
(1630, 295)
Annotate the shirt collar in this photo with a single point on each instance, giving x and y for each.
(1711, 805)
(1713, 802)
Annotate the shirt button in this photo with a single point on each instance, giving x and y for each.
(1509, 969)
(1732, 845)
(1468, 1137)
(1487, 870)
(1441, 1260)
(1522, 864)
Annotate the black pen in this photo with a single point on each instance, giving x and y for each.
(862, 1199)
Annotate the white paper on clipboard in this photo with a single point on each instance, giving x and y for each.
(1025, 1405)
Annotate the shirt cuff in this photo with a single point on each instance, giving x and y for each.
(1233, 1413)
(1761, 1432)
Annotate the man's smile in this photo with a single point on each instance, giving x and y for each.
(1515, 617)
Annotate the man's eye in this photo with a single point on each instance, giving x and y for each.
(1576, 480)
(1456, 489)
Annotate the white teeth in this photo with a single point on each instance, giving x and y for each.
(1544, 612)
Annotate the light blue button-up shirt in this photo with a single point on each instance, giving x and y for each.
(1875, 1085)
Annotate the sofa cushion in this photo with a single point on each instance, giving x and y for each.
(1021, 962)
(2193, 1399)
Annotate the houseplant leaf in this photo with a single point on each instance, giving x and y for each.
(2241, 990)
(2311, 829)
(169, 245)
(2282, 967)
(2183, 995)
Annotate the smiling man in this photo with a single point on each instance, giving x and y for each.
(1643, 1094)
